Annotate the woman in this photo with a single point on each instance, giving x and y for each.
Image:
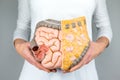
(30, 12)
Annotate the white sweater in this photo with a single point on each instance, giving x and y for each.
(30, 12)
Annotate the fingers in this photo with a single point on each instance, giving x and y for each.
(23, 48)
(28, 56)
(38, 65)
(86, 59)
(54, 70)
(77, 66)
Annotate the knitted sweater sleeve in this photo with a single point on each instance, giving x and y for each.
(23, 30)
(102, 21)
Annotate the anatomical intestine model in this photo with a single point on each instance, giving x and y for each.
(60, 44)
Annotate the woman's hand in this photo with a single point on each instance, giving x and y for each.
(23, 48)
(94, 50)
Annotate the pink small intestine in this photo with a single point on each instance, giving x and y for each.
(48, 33)
(52, 60)
(49, 37)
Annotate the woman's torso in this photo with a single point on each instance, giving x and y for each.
(61, 9)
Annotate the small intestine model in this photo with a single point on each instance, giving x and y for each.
(60, 44)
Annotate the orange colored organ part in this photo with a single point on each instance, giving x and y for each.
(60, 44)
(40, 53)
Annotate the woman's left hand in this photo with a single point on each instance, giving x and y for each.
(94, 50)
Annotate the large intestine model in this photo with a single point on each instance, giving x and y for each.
(60, 44)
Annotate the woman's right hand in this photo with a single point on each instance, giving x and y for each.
(23, 48)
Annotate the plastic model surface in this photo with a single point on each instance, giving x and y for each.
(60, 44)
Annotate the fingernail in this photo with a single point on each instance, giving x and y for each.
(71, 70)
(48, 71)
(54, 71)
(84, 62)
(66, 71)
